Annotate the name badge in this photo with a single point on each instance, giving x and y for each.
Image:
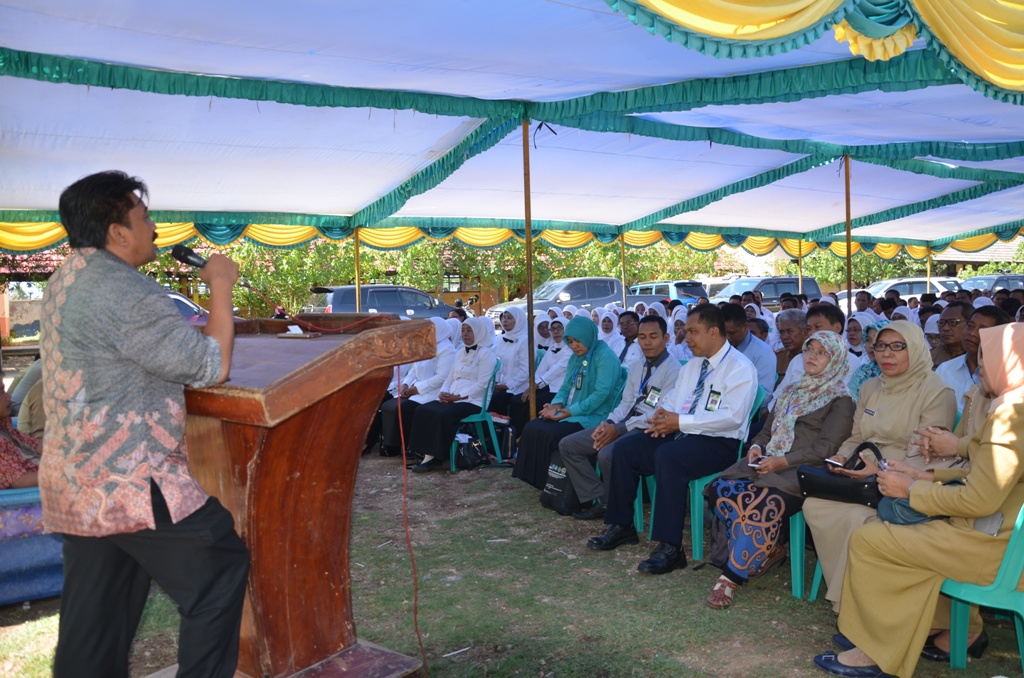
(868, 412)
(579, 380)
(714, 400)
(652, 397)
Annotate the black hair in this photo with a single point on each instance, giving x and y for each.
(1001, 290)
(709, 316)
(1010, 305)
(829, 312)
(929, 298)
(886, 304)
(762, 324)
(999, 315)
(734, 313)
(802, 297)
(860, 292)
(735, 296)
(459, 311)
(673, 305)
(631, 314)
(924, 312)
(966, 309)
(662, 325)
(91, 204)
(785, 295)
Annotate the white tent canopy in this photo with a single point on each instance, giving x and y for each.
(390, 114)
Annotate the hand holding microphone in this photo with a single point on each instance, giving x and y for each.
(218, 268)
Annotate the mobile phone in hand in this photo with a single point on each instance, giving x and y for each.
(833, 462)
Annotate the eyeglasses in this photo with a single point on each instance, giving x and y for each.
(950, 322)
(894, 346)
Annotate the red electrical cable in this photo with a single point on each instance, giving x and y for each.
(405, 472)
(408, 535)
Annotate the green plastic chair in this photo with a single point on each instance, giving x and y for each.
(696, 492)
(538, 357)
(1001, 594)
(481, 418)
(797, 544)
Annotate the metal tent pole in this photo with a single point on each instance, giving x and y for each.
(528, 222)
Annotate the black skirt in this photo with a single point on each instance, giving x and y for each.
(539, 440)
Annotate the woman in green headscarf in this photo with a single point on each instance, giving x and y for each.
(590, 391)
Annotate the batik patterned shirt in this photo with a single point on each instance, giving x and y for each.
(116, 357)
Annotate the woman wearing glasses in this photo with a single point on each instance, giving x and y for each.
(905, 396)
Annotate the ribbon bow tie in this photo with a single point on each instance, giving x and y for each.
(506, 339)
(470, 348)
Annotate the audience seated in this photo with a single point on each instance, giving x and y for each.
(629, 325)
(891, 591)
(820, 318)
(759, 328)
(23, 384)
(792, 328)
(421, 383)
(906, 396)
(710, 404)
(961, 373)
(647, 382)
(19, 453)
(548, 377)
(32, 418)
(677, 346)
(753, 348)
(588, 393)
(952, 322)
(435, 423)
(608, 331)
(513, 350)
(855, 333)
(813, 418)
(541, 332)
(869, 369)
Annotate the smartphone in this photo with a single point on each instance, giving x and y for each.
(756, 464)
(834, 462)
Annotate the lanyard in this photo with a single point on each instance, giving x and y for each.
(642, 391)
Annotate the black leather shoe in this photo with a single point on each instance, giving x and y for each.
(664, 558)
(614, 536)
(426, 466)
(829, 662)
(976, 649)
(596, 510)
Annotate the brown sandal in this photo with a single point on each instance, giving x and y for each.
(721, 596)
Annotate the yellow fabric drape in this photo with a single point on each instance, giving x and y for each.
(171, 233)
(975, 244)
(797, 248)
(916, 251)
(744, 20)
(986, 36)
(760, 245)
(280, 236)
(883, 251)
(641, 238)
(566, 239)
(876, 49)
(704, 241)
(483, 237)
(390, 238)
(29, 236)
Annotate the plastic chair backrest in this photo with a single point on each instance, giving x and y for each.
(1013, 562)
(489, 390)
(759, 398)
(540, 356)
(24, 496)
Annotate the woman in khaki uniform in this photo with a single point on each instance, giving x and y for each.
(891, 592)
(906, 396)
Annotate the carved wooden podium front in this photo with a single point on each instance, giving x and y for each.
(279, 444)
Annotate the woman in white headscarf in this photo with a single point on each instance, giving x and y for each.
(678, 348)
(855, 326)
(512, 348)
(421, 382)
(569, 311)
(542, 332)
(657, 308)
(608, 331)
(548, 377)
(434, 423)
(640, 308)
(455, 325)
(555, 312)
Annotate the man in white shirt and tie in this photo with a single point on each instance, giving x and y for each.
(696, 431)
(629, 326)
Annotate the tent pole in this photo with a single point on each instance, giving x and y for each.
(849, 244)
(528, 223)
(929, 268)
(622, 259)
(359, 293)
(800, 268)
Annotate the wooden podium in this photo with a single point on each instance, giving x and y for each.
(279, 444)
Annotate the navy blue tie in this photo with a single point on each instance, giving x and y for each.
(698, 391)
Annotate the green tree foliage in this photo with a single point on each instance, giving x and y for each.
(1015, 266)
(830, 270)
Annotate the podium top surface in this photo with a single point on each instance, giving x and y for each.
(273, 377)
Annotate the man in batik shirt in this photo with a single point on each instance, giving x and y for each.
(114, 478)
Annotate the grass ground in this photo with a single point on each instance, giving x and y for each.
(507, 588)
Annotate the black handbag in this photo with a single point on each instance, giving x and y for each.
(558, 494)
(470, 454)
(823, 484)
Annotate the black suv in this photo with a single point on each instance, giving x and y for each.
(771, 288)
(396, 299)
(991, 283)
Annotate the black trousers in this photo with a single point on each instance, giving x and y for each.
(673, 463)
(392, 437)
(200, 562)
(519, 411)
(434, 426)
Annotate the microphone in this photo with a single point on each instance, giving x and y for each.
(187, 255)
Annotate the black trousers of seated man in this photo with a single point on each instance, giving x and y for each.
(200, 562)
(673, 463)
